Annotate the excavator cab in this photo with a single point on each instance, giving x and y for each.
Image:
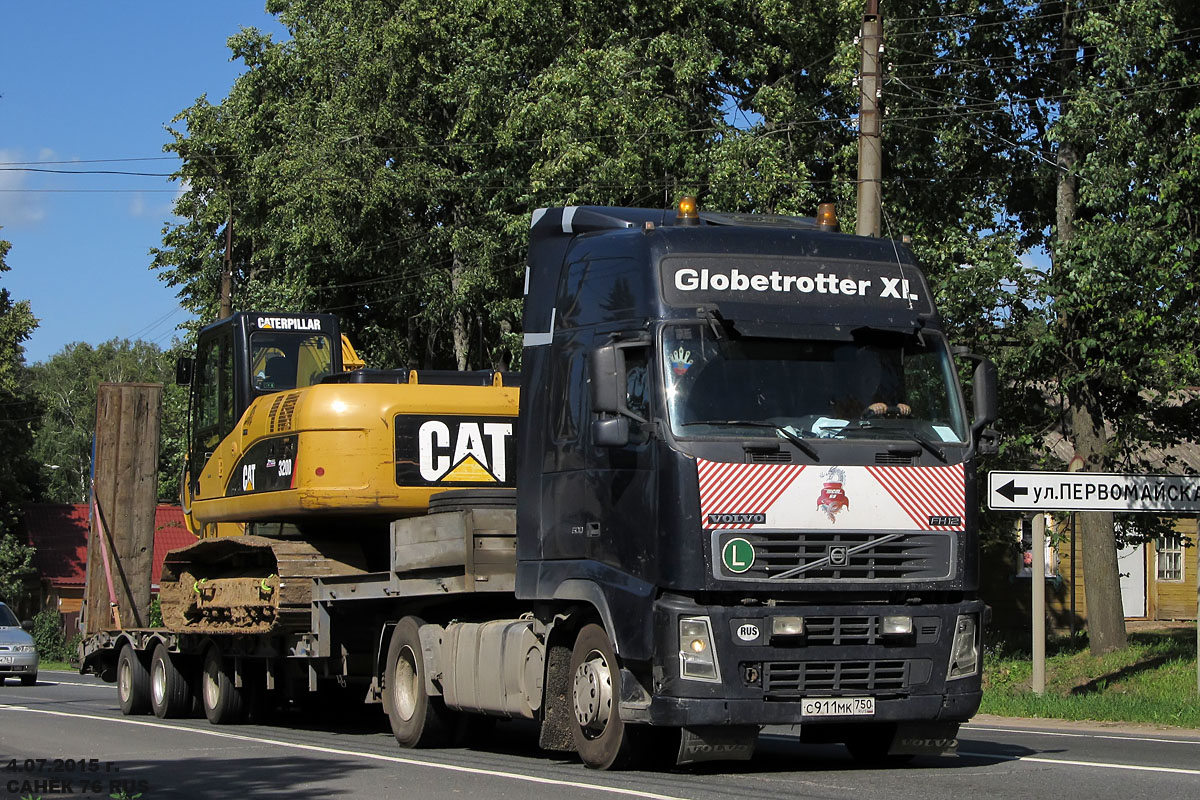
(246, 356)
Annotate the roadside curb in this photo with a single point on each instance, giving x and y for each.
(982, 721)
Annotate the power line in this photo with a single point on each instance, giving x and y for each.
(86, 161)
(88, 172)
(1017, 20)
(90, 191)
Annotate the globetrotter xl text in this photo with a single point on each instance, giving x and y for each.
(705, 280)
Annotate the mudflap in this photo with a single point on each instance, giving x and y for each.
(925, 739)
(717, 743)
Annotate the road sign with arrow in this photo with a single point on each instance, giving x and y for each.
(1093, 491)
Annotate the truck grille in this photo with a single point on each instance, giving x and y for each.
(826, 555)
(841, 630)
(787, 678)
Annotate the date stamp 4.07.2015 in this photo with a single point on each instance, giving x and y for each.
(45, 778)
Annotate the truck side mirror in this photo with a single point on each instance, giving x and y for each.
(184, 367)
(987, 440)
(606, 373)
(610, 432)
(985, 392)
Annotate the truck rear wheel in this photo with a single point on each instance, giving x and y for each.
(222, 700)
(133, 682)
(417, 719)
(170, 692)
(601, 737)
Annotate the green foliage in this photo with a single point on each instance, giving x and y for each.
(52, 643)
(18, 415)
(156, 620)
(1145, 682)
(66, 386)
(383, 162)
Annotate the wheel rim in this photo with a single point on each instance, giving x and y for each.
(125, 680)
(212, 690)
(404, 692)
(592, 694)
(158, 681)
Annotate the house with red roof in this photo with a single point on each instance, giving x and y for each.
(59, 533)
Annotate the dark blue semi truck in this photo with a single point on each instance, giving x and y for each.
(747, 481)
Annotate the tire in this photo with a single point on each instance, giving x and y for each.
(224, 703)
(29, 680)
(170, 690)
(133, 683)
(601, 738)
(417, 719)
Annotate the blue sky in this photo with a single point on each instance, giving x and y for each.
(88, 81)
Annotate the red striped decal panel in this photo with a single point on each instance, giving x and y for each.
(925, 492)
(741, 488)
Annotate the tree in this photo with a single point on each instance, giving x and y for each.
(18, 413)
(67, 384)
(383, 163)
(1125, 299)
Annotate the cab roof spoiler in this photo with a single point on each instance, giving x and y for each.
(572, 220)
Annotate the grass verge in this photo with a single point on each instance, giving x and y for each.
(1152, 681)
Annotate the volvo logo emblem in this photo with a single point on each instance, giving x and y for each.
(838, 556)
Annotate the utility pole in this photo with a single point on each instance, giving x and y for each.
(870, 160)
(227, 268)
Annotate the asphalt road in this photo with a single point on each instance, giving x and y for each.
(66, 737)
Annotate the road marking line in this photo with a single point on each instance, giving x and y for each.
(352, 754)
(1113, 736)
(109, 686)
(1073, 763)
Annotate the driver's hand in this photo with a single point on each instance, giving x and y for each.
(883, 409)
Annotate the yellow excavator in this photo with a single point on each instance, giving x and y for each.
(299, 457)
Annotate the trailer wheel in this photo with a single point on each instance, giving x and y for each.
(223, 702)
(170, 691)
(601, 737)
(133, 682)
(417, 719)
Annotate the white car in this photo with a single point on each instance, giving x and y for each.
(18, 653)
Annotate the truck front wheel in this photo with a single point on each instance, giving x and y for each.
(417, 719)
(133, 682)
(170, 692)
(601, 738)
(222, 699)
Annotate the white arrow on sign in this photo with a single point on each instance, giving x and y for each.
(1093, 491)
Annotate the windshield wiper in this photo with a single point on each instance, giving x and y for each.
(907, 433)
(782, 431)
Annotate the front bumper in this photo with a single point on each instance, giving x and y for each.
(764, 679)
(13, 665)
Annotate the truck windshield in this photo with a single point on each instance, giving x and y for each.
(284, 360)
(880, 384)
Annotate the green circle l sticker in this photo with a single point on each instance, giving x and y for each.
(737, 555)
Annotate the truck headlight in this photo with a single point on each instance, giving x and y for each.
(697, 657)
(964, 650)
(896, 626)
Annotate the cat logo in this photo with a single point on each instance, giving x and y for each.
(464, 452)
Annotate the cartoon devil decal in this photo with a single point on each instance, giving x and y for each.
(833, 499)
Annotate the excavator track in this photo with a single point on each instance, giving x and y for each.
(249, 584)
